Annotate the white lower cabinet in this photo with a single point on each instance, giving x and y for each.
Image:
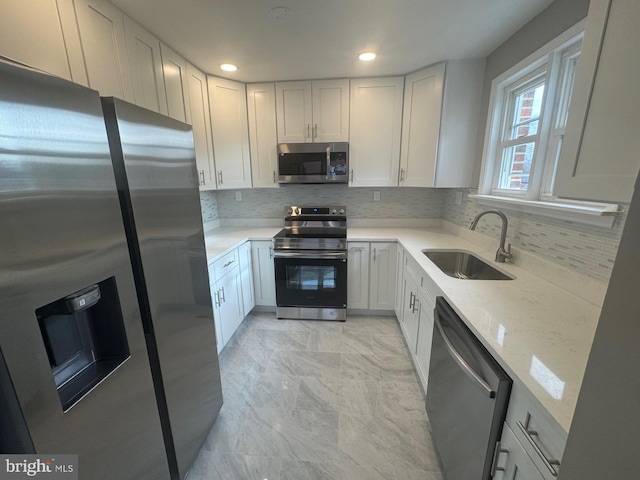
(410, 315)
(399, 274)
(264, 281)
(371, 275)
(246, 277)
(358, 275)
(425, 335)
(512, 462)
(227, 305)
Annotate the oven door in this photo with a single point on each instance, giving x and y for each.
(311, 279)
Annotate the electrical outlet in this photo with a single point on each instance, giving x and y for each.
(376, 196)
(238, 196)
(459, 196)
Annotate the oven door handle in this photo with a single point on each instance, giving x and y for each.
(312, 254)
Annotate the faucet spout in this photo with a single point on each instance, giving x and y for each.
(502, 254)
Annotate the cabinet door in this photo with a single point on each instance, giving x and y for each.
(399, 301)
(263, 137)
(421, 126)
(246, 277)
(201, 124)
(374, 133)
(330, 110)
(425, 335)
(382, 286)
(264, 277)
(293, 107)
(230, 132)
(358, 275)
(39, 33)
(409, 322)
(174, 69)
(230, 298)
(146, 67)
(599, 159)
(104, 45)
(513, 463)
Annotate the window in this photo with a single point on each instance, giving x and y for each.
(527, 121)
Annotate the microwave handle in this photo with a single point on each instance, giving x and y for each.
(328, 163)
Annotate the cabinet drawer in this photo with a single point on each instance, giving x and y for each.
(224, 264)
(545, 438)
(429, 287)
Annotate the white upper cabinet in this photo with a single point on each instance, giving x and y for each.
(330, 110)
(201, 124)
(104, 44)
(599, 158)
(174, 69)
(440, 124)
(146, 67)
(229, 127)
(313, 111)
(374, 131)
(43, 34)
(263, 139)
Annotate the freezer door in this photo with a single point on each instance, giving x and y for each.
(155, 168)
(62, 232)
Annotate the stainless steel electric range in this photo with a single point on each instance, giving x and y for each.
(310, 255)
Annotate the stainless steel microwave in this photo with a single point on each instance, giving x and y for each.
(313, 162)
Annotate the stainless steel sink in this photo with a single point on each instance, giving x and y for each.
(464, 265)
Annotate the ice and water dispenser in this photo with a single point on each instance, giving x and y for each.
(85, 339)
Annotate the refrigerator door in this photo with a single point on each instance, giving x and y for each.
(155, 168)
(62, 234)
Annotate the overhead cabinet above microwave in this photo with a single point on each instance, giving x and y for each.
(309, 112)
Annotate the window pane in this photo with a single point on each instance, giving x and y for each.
(516, 165)
(527, 107)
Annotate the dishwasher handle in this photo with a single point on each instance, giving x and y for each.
(462, 363)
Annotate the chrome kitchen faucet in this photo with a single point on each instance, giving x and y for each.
(501, 254)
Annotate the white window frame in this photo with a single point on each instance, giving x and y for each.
(538, 198)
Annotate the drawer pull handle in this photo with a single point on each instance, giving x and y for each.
(216, 297)
(549, 463)
(222, 297)
(411, 300)
(496, 456)
(228, 263)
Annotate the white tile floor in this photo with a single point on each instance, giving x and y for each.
(307, 400)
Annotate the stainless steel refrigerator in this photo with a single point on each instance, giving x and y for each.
(154, 162)
(92, 361)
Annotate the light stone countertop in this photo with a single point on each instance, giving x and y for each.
(539, 333)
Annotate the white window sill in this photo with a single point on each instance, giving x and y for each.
(600, 214)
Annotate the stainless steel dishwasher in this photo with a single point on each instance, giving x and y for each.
(467, 398)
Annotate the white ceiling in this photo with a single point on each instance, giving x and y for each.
(321, 39)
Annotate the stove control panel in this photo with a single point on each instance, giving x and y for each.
(295, 210)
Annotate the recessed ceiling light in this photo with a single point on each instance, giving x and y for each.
(367, 56)
(228, 67)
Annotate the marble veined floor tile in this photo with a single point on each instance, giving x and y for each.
(373, 325)
(360, 397)
(378, 441)
(210, 466)
(239, 336)
(265, 321)
(277, 339)
(318, 394)
(389, 345)
(402, 474)
(341, 342)
(315, 326)
(225, 430)
(402, 399)
(289, 434)
(359, 367)
(396, 368)
(303, 470)
(240, 359)
(260, 390)
(308, 364)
